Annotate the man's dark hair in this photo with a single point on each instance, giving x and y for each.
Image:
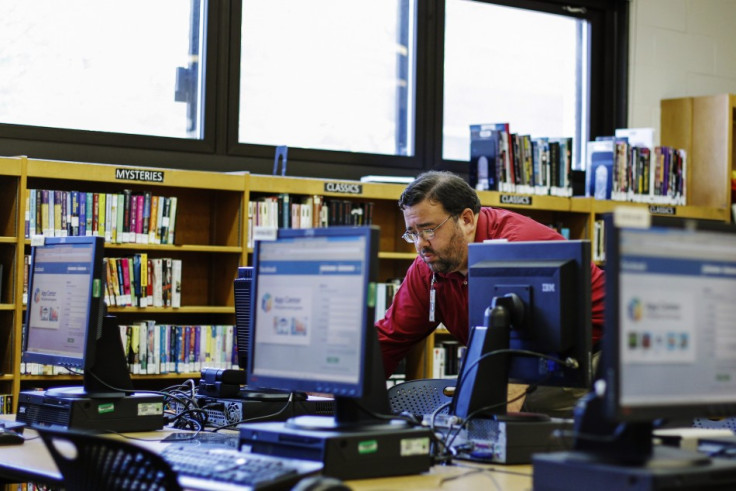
(441, 187)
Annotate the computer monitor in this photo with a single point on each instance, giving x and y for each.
(314, 296)
(65, 319)
(669, 351)
(529, 307)
(668, 354)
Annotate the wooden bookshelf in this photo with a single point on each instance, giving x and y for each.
(212, 236)
(208, 239)
(704, 127)
(11, 255)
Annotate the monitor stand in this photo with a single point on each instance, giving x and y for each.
(613, 456)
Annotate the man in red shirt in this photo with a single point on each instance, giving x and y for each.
(443, 215)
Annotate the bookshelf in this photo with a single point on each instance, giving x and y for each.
(212, 234)
(704, 127)
(208, 240)
(11, 253)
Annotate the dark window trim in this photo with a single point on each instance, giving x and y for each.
(219, 150)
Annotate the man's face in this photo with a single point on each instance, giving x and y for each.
(447, 251)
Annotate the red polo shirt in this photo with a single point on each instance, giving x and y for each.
(407, 320)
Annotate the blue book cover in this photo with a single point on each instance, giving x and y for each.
(82, 213)
(599, 169)
(483, 173)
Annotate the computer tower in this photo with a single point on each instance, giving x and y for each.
(243, 291)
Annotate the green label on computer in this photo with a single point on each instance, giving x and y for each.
(96, 288)
(106, 408)
(368, 446)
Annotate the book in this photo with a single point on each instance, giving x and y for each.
(82, 213)
(176, 283)
(172, 219)
(45, 213)
(164, 221)
(101, 212)
(90, 212)
(438, 362)
(153, 221)
(158, 299)
(146, 217)
(599, 169)
(111, 231)
(166, 281)
(483, 174)
(126, 215)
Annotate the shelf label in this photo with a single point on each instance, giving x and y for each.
(516, 199)
(145, 175)
(343, 187)
(662, 210)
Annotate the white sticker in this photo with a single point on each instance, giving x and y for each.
(150, 408)
(414, 446)
(264, 233)
(38, 240)
(631, 217)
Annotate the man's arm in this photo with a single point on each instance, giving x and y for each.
(406, 321)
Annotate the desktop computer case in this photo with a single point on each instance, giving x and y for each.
(136, 412)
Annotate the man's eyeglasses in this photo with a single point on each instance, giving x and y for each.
(426, 234)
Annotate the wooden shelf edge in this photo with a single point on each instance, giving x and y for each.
(82, 171)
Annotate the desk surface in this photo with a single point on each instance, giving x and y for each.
(32, 461)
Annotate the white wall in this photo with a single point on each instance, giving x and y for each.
(679, 48)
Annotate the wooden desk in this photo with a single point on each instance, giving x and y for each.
(32, 462)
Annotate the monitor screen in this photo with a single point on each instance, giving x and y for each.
(530, 318)
(65, 301)
(312, 323)
(669, 346)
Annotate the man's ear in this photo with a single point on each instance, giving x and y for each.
(467, 220)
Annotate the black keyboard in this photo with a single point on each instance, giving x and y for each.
(219, 467)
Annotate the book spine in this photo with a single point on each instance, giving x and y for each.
(172, 219)
(101, 211)
(176, 265)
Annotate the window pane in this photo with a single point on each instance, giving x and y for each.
(328, 74)
(102, 65)
(516, 66)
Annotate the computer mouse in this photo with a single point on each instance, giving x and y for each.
(10, 437)
(320, 483)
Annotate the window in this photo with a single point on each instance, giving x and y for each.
(352, 87)
(336, 75)
(512, 65)
(122, 67)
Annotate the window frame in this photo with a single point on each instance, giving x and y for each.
(219, 150)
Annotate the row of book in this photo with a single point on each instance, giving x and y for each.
(447, 357)
(511, 162)
(154, 349)
(6, 404)
(135, 281)
(126, 217)
(292, 211)
(628, 167)
(140, 281)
